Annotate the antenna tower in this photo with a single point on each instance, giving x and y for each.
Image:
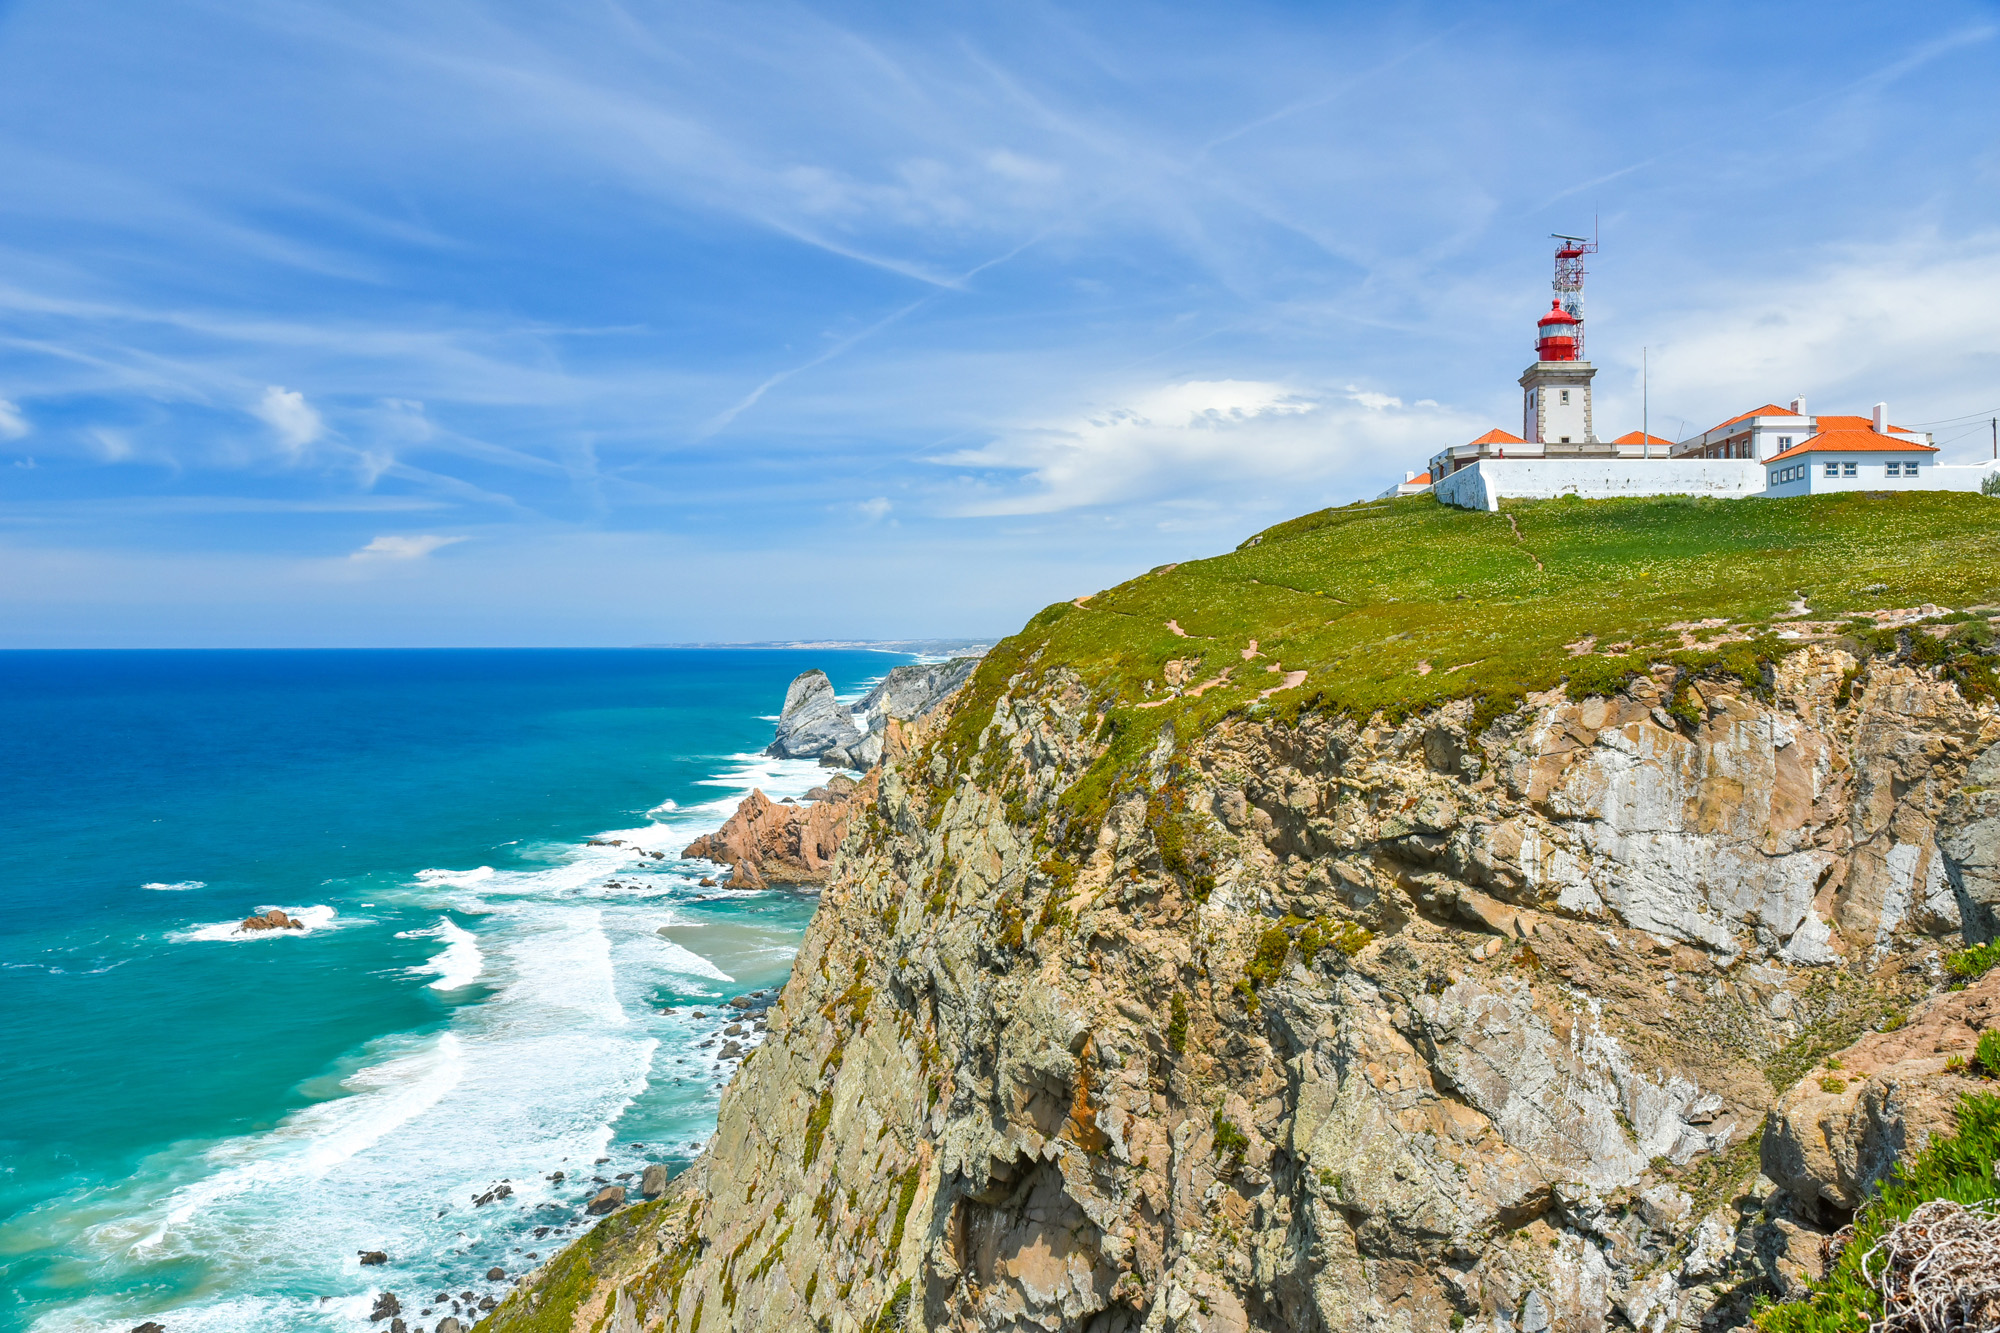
(1570, 251)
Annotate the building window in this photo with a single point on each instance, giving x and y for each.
(1784, 441)
(1833, 469)
(1565, 439)
(1850, 470)
(1565, 398)
(1895, 469)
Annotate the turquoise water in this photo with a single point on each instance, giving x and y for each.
(207, 1127)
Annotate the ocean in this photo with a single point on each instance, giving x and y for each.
(209, 1127)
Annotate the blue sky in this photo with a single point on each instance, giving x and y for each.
(604, 323)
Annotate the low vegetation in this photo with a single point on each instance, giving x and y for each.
(1401, 605)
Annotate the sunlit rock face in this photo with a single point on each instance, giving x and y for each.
(1345, 1025)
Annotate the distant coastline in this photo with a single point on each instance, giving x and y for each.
(919, 647)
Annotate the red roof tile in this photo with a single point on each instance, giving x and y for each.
(1767, 410)
(1498, 436)
(1636, 437)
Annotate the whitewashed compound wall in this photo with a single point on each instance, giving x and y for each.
(1491, 480)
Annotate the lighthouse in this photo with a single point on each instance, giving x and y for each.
(1555, 390)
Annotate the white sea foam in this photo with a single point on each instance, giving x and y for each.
(181, 887)
(457, 879)
(460, 963)
(317, 917)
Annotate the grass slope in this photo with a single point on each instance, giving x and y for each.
(1402, 604)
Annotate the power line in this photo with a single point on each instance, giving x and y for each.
(1947, 421)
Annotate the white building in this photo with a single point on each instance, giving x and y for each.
(1767, 451)
(1852, 454)
(1765, 432)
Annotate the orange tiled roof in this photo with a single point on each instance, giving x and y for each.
(1849, 440)
(1421, 479)
(1637, 437)
(1767, 410)
(1852, 423)
(1498, 436)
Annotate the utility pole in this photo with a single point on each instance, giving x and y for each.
(1996, 437)
(1646, 403)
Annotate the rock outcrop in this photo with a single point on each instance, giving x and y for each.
(275, 919)
(815, 725)
(1326, 1023)
(812, 721)
(1836, 1135)
(770, 842)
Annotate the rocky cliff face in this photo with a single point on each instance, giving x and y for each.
(1327, 1024)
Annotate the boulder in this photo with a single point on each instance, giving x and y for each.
(496, 1275)
(275, 919)
(150, 1327)
(386, 1307)
(373, 1257)
(608, 1199)
(450, 1325)
(654, 1182)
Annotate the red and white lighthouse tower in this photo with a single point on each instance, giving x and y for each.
(1555, 391)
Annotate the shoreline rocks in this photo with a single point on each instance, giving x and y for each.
(770, 842)
(275, 919)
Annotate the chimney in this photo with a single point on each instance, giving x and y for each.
(1409, 476)
(1881, 418)
(1798, 407)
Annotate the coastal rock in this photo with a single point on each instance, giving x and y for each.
(449, 1325)
(609, 1198)
(812, 721)
(813, 724)
(275, 919)
(768, 842)
(373, 1257)
(495, 1274)
(386, 1307)
(653, 1182)
(150, 1327)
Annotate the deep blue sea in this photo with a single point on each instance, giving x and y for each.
(207, 1127)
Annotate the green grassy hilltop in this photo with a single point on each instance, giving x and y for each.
(1403, 604)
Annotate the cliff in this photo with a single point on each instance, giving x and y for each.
(1405, 922)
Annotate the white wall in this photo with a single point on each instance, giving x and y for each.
(1491, 480)
(1873, 476)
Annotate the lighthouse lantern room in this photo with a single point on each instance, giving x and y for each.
(1555, 391)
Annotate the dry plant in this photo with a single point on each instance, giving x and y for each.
(1939, 1269)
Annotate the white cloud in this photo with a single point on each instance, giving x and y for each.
(1916, 322)
(12, 424)
(876, 509)
(286, 411)
(402, 548)
(1210, 440)
(1373, 401)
